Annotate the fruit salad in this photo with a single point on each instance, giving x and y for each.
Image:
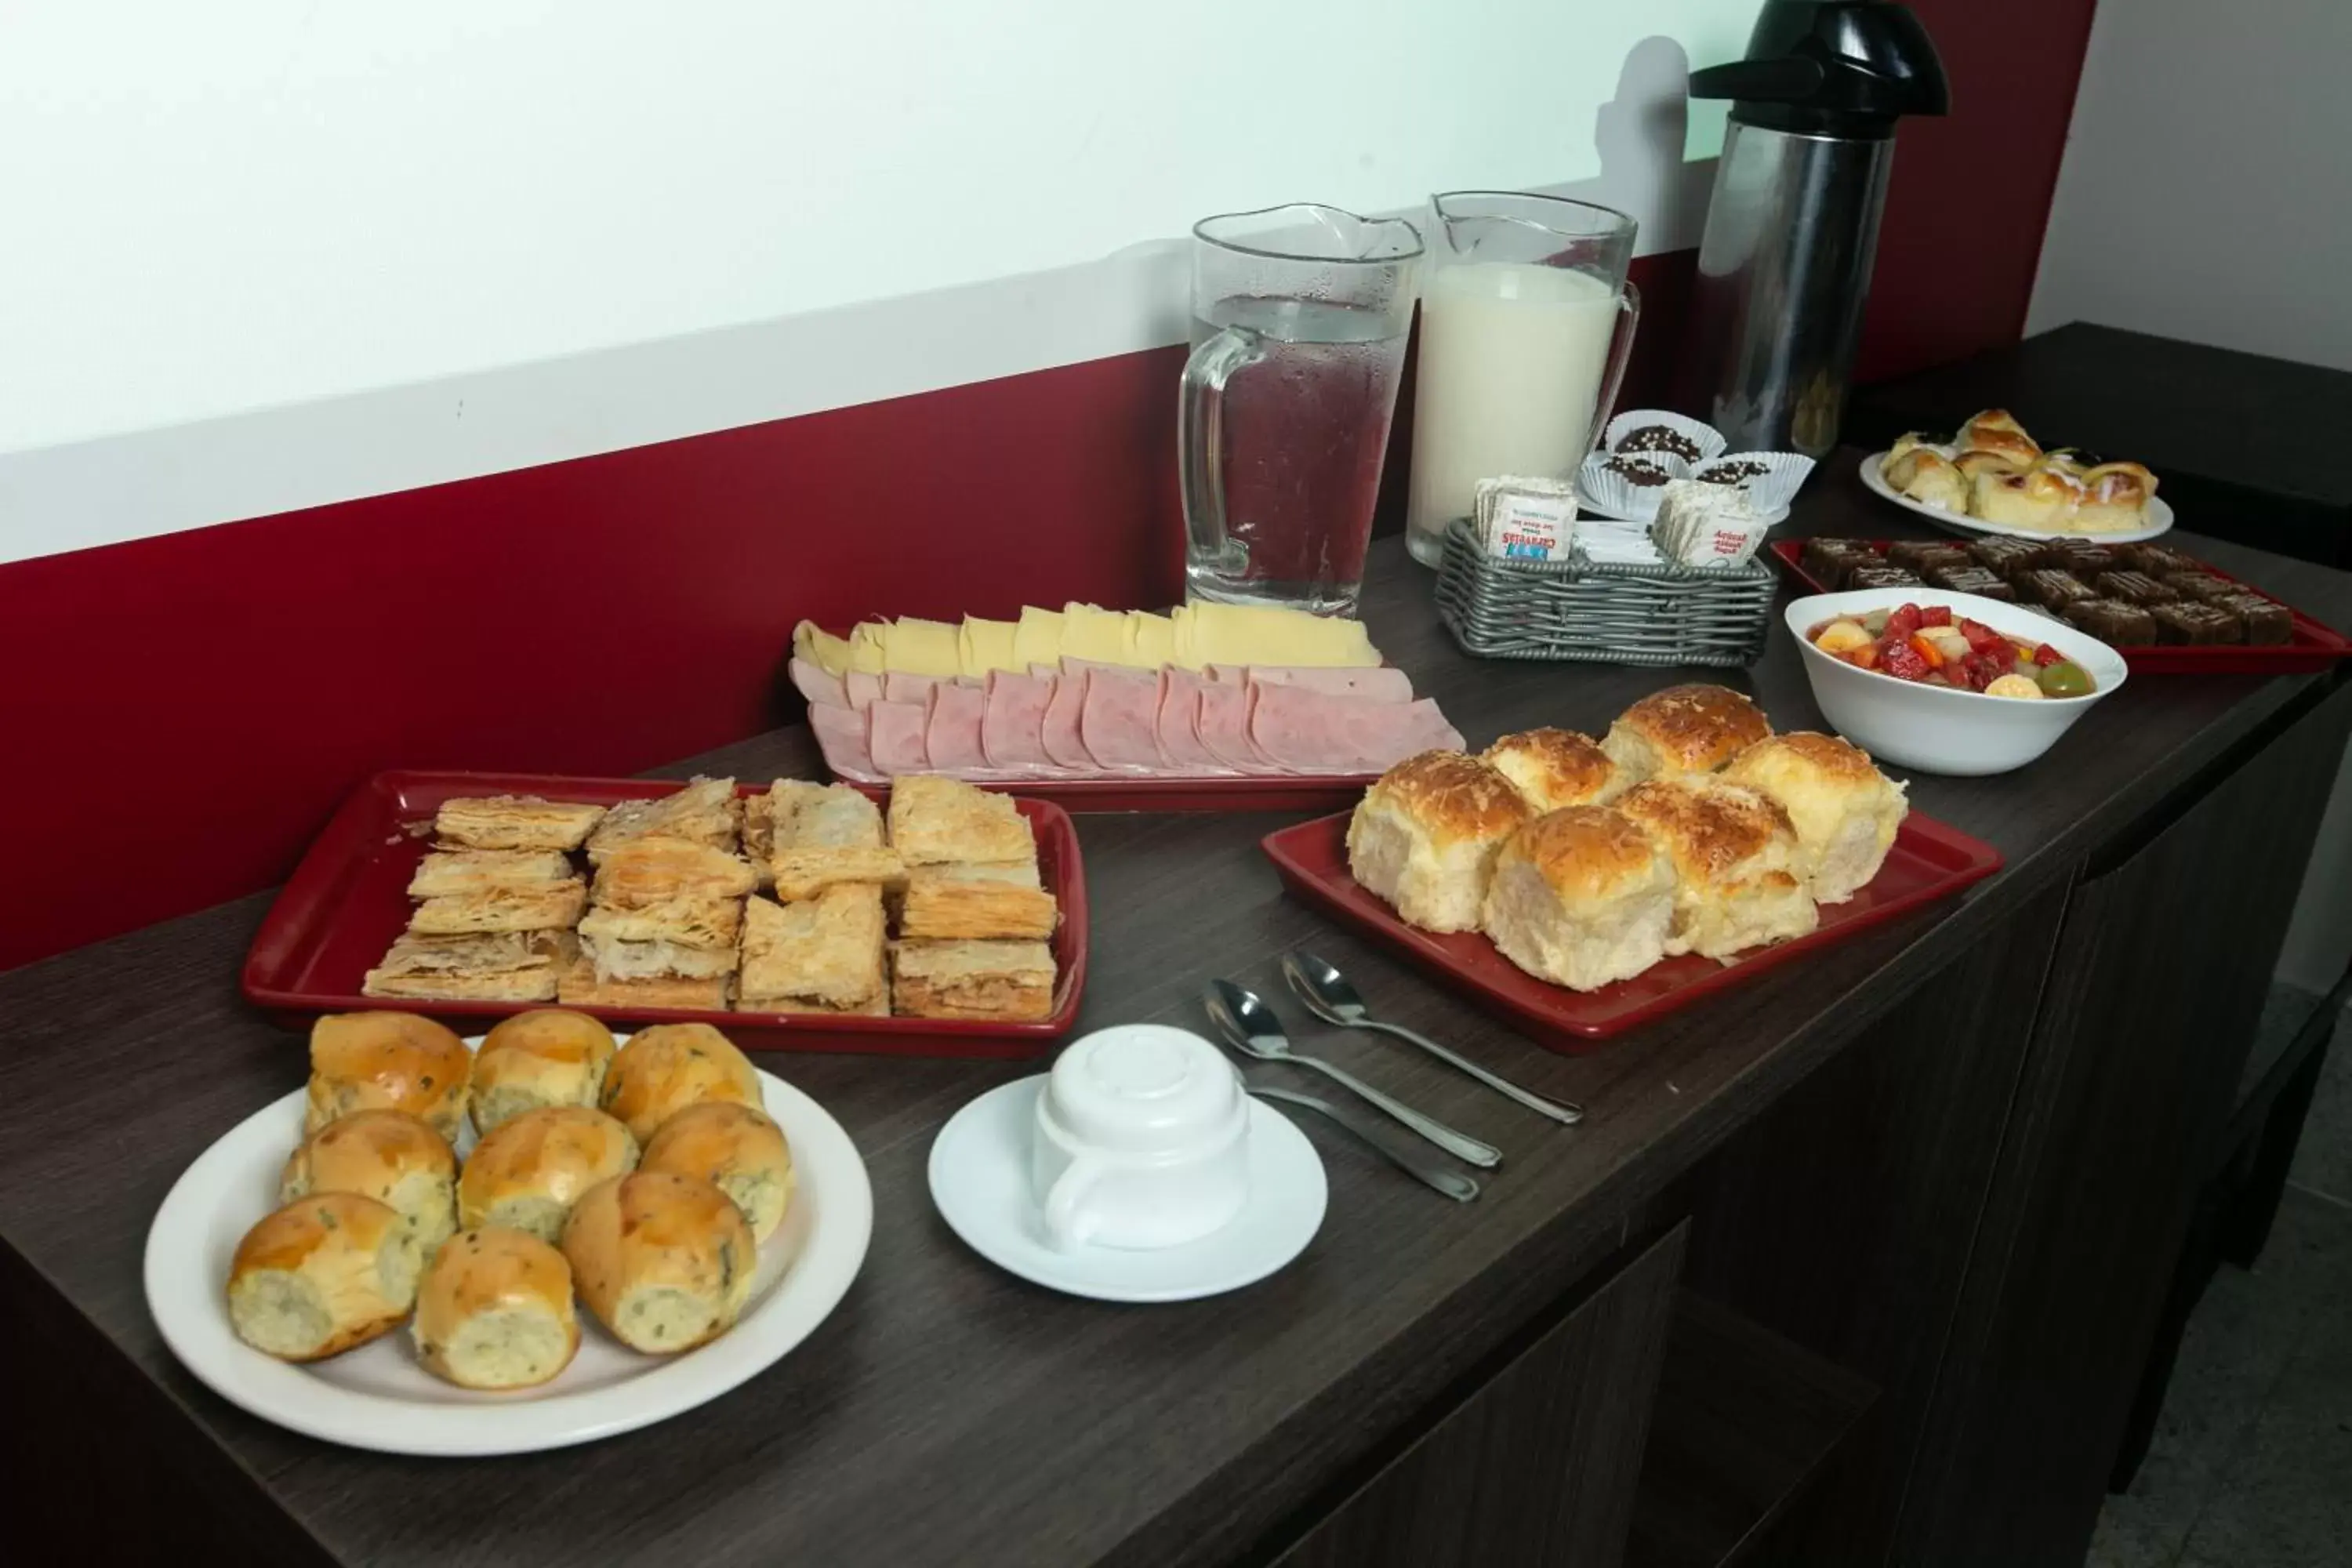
(1933, 647)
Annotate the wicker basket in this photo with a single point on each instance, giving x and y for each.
(1602, 611)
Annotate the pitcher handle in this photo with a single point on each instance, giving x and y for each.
(1613, 380)
(1200, 440)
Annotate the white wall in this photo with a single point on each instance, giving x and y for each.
(2207, 188)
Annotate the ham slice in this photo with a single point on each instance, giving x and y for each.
(842, 732)
(894, 736)
(1118, 722)
(820, 686)
(1058, 737)
(952, 728)
(1013, 725)
(1382, 684)
(865, 689)
(917, 688)
(1315, 732)
(1221, 719)
(1179, 724)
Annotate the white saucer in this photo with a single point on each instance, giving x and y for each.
(980, 1180)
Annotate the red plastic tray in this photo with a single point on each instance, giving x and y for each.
(2313, 646)
(1929, 861)
(348, 899)
(1328, 791)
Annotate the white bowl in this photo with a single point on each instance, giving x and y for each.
(1935, 729)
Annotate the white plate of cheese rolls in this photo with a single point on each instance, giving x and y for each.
(381, 1395)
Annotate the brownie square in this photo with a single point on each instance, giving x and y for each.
(1882, 576)
(2081, 558)
(2202, 586)
(1971, 578)
(1922, 555)
(1829, 560)
(2006, 556)
(2156, 560)
(2267, 622)
(2113, 621)
(2049, 585)
(2193, 625)
(2136, 586)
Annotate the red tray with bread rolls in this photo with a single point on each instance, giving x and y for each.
(348, 899)
(2310, 645)
(1928, 861)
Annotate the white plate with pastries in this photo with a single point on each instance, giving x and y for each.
(1994, 478)
(380, 1394)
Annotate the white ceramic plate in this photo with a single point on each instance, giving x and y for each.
(980, 1180)
(379, 1398)
(2159, 514)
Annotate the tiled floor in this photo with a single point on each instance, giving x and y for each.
(2252, 1463)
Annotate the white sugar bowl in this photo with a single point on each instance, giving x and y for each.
(1142, 1141)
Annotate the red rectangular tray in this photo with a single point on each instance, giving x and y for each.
(1929, 861)
(348, 898)
(1328, 791)
(2312, 647)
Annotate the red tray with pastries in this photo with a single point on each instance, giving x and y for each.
(1929, 861)
(348, 898)
(2311, 646)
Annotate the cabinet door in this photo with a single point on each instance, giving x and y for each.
(2161, 971)
(1536, 1466)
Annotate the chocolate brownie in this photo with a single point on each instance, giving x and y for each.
(2136, 586)
(2202, 586)
(1829, 560)
(2113, 621)
(2081, 558)
(1970, 578)
(1882, 576)
(1920, 554)
(2267, 622)
(2195, 624)
(2156, 560)
(2051, 586)
(2004, 555)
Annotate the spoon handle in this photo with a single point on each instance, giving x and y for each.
(1461, 1145)
(1567, 1113)
(1453, 1184)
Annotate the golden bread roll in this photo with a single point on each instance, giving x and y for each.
(664, 1262)
(737, 1150)
(1682, 730)
(1555, 768)
(1580, 897)
(1843, 809)
(1995, 430)
(386, 1061)
(494, 1311)
(321, 1275)
(387, 1156)
(1904, 444)
(2115, 497)
(664, 1070)
(1974, 465)
(1928, 477)
(527, 1172)
(2038, 497)
(1736, 865)
(1426, 836)
(533, 1061)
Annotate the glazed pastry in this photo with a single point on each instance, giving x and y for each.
(1997, 431)
(1928, 477)
(2115, 496)
(2040, 498)
(1006, 981)
(2113, 621)
(1975, 465)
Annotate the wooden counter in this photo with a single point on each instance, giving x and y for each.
(1884, 1205)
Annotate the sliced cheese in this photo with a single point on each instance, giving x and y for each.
(866, 650)
(1038, 638)
(984, 646)
(912, 646)
(1252, 634)
(1181, 620)
(821, 647)
(1098, 634)
(1150, 639)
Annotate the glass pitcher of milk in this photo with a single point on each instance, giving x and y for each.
(1526, 323)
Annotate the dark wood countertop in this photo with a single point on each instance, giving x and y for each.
(948, 1413)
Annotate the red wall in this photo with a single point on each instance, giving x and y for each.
(185, 711)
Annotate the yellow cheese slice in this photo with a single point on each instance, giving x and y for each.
(912, 646)
(1251, 634)
(1038, 638)
(821, 647)
(1179, 620)
(1150, 639)
(984, 646)
(865, 646)
(1098, 634)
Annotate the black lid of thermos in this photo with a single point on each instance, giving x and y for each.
(1831, 68)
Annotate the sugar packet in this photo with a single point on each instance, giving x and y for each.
(1701, 524)
(1523, 518)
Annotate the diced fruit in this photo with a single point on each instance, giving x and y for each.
(1842, 637)
(1936, 615)
(1903, 622)
(1982, 638)
(1924, 647)
(2065, 678)
(1866, 656)
(2015, 685)
(1902, 661)
(1876, 622)
(2046, 654)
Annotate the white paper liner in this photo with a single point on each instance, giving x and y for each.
(1614, 493)
(1711, 441)
(1772, 491)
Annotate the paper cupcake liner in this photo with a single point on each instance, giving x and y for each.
(1773, 490)
(1614, 493)
(1710, 440)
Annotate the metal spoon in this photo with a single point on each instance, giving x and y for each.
(1461, 1189)
(1251, 1028)
(1331, 998)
